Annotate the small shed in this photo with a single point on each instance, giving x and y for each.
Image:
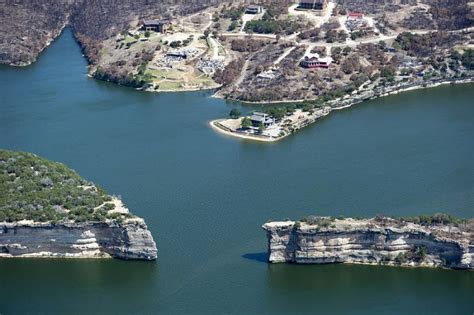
(253, 9)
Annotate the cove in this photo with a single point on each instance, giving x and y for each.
(204, 196)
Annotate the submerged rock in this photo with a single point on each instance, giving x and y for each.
(381, 241)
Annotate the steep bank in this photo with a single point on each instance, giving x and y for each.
(28, 27)
(126, 240)
(48, 210)
(377, 241)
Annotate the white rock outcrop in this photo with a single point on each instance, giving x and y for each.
(128, 240)
(370, 241)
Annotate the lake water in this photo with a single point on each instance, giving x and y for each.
(205, 196)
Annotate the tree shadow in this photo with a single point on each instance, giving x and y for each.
(260, 257)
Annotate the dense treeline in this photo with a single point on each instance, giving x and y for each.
(272, 24)
(230, 73)
(426, 44)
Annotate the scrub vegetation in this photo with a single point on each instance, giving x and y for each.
(33, 188)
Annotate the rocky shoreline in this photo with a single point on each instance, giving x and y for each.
(376, 241)
(127, 240)
(371, 94)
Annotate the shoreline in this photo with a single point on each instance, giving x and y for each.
(151, 90)
(349, 102)
(56, 35)
(417, 87)
(402, 90)
(183, 90)
(431, 246)
(127, 240)
(215, 124)
(220, 96)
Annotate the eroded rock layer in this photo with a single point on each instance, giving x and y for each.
(128, 240)
(371, 241)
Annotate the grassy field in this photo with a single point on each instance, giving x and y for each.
(175, 79)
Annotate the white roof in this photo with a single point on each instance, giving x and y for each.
(325, 59)
(309, 56)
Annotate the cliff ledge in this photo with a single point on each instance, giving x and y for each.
(127, 240)
(380, 241)
(48, 210)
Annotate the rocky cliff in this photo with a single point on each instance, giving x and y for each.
(381, 241)
(48, 210)
(127, 240)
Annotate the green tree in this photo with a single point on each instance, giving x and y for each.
(234, 113)
(246, 123)
(290, 109)
(232, 26)
(147, 34)
(468, 59)
(277, 112)
(261, 127)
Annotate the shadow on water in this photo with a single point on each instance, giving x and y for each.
(260, 257)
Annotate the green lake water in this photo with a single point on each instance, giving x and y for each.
(205, 196)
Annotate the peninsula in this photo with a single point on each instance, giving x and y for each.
(47, 210)
(426, 241)
(306, 57)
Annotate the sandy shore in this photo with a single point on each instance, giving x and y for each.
(221, 129)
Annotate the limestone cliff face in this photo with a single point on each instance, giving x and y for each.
(370, 242)
(128, 240)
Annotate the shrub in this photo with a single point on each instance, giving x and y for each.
(234, 113)
(319, 221)
(40, 190)
(401, 258)
(246, 123)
